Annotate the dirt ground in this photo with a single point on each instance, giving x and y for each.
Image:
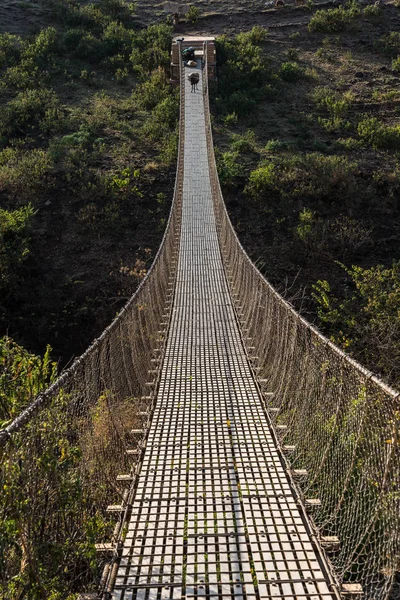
(216, 16)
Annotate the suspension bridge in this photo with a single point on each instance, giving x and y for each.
(249, 458)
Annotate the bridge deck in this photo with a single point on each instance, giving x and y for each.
(214, 514)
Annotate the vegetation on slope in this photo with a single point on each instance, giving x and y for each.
(88, 136)
(88, 141)
(308, 134)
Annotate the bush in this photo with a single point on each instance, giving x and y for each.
(240, 103)
(25, 174)
(32, 111)
(391, 43)
(151, 49)
(277, 146)
(10, 49)
(244, 143)
(230, 119)
(335, 104)
(242, 65)
(22, 376)
(372, 10)
(33, 61)
(14, 245)
(117, 39)
(229, 168)
(45, 45)
(290, 71)
(152, 91)
(367, 320)
(162, 121)
(378, 135)
(193, 14)
(396, 64)
(311, 180)
(334, 19)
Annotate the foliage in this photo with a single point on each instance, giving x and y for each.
(367, 320)
(380, 136)
(290, 71)
(193, 14)
(391, 43)
(151, 49)
(14, 245)
(10, 49)
(229, 167)
(396, 64)
(30, 112)
(302, 180)
(242, 72)
(22, 377)
(372, 10)
(56, 479)
(336, 105)
(25, 173)
(334, 19)
(243, 143)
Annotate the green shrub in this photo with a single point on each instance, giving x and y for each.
(378, 135)
(243, 143)
(22, 375)
(230, 119)
(256, 36)
(306, 225)
(391, 43)
(290, 71)
(151, 49)
(45, 45)
(10, 49)
(193, 14)
(14, 244)
(262, 180)
(242, 64)
(162, 119)
(229, 168)
(25, 174)
(373, 10)
(117, 39)
(36, 60)
(240, 103)
(89, 47)
(396, 64)
(367, 320)
(152, 91)
(336, 105)
(30, 112)
(305, 179)
(277, 146)
(334, 19)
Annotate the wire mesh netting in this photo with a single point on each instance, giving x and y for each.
(338, 422)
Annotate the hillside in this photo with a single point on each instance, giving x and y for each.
(308, 161)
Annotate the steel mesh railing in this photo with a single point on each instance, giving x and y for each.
(339, 424)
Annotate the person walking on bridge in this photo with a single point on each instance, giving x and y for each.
(194, 79)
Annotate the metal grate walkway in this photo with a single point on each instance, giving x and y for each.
(214, 514)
